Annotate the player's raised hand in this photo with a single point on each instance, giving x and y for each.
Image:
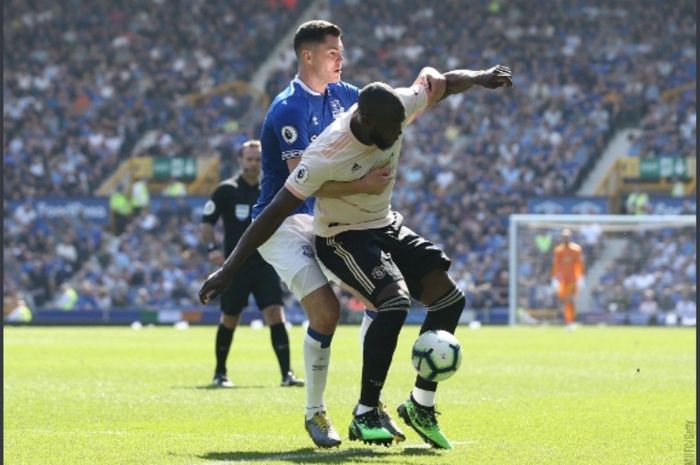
(215, 284)
(493, 78)
(376, 181)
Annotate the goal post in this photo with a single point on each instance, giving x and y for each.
(629, 258)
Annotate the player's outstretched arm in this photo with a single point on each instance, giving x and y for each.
(460, 80)
(254, 236)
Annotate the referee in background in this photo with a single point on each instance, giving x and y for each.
(233, 200)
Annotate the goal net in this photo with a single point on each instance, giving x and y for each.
(638, 269)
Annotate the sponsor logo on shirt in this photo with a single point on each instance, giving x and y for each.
(355, 168)
(336, 108)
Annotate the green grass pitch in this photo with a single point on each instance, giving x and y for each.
(599, 395)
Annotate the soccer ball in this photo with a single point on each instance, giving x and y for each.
(436, 355)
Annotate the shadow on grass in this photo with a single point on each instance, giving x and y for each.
(313, 455)
(219, 388)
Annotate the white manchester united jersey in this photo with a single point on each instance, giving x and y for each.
(336, 155)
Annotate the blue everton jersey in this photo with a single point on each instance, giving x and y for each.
(295, 118)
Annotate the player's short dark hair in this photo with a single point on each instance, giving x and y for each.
(314, 31)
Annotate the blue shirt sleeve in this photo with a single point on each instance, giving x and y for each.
(290, 125)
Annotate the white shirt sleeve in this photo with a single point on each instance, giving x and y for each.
(310, 174)
(415, 100)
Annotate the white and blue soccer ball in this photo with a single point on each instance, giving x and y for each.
(436, 355)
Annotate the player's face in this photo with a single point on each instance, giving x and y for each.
(327, 59)
(250, 161)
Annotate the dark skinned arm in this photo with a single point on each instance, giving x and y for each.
(460, 80)
(257, 233)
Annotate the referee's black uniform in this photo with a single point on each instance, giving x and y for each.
(233, 200)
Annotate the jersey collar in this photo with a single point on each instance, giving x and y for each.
(304, 86)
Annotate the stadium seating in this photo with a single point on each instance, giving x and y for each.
(70, 116)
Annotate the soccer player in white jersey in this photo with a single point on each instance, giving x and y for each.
(364, 244)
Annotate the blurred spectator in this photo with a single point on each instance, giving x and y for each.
(68, 298)
(637, 203)
(175, 188)
(686, 309)
(20, 313)
(140, 196)
(120, 209)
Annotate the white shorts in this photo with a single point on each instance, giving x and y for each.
(292, 253)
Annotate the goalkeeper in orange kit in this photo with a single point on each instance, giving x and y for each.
(567, 273)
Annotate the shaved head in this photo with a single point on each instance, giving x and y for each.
(378, 98)
(382, 113)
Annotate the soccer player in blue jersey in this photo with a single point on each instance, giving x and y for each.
(296, 117)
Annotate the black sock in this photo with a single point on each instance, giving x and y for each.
(224, 336)
(443, 314)
(280, 343)
(380, 344)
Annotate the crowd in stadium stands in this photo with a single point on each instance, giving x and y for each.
(84, 81)
(653, 275)
(73, 110)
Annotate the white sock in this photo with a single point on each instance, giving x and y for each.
(423, 397)
(362, 408)
(316, 362)
(364, 326)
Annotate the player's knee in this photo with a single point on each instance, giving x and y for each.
(274, 314)
(230, 321)
(393, 298)
(322, 309)
(445, 312)
(435, 284)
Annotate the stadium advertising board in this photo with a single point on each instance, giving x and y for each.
(663, 205)
(94, 209)
(178, 167)
(568, 205)
(663, 167)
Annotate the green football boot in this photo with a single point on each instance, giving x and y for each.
(368, 429)
(387, 422)
(422, 420)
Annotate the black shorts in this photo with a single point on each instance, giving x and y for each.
(258, 277)
(369, 260)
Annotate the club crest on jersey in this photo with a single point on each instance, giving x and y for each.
(336, 108)
(209, 207)
(378, 272)
(302, 174)
(307, 251)
(289, 134)
(242, 211)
